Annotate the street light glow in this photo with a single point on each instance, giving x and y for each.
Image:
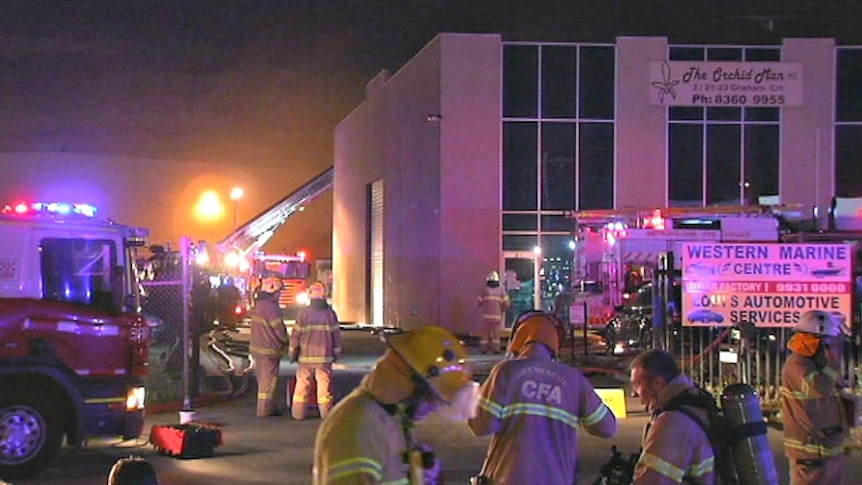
(209, 207)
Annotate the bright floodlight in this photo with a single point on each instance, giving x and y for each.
(236, 193)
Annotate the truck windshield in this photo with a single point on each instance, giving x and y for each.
(80, 271)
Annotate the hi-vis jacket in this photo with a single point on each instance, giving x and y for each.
(534, 407)
(268, 333)
(814, 425)
(316, 338)
(675, 448)
(493, 303)
(361, 442)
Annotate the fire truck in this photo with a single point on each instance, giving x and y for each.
(74, 344)
(618, 252)
(240, 256)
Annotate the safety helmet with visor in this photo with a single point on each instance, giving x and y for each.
(536, 326)
(436, 357)
(819, 322)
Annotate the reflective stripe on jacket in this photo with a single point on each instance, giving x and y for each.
(811, 409)
(268, 333)
(316, 334)
(675, 448)
(359, 442)
(534, 407)
(493, 303)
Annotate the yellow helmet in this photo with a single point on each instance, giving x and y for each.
(493, 276)
(270, 285)
(436, 356)
(536, 326)
(317, 290)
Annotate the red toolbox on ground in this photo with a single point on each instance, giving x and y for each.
(186, 440)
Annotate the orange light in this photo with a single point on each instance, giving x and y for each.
(656, 221)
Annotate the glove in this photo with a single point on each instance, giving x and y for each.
(424, 458)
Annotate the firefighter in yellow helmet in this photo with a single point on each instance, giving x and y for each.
(493, 303)
(814, 423)
(368, 436)
(533, 407)
(315, 343)
(268, 343)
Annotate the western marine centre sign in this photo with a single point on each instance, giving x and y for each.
(736, 84)
(768, 285)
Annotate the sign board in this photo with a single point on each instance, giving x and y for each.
(725, 84)
(768, 285)
(615, 399)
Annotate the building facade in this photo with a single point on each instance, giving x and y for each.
(471, 156)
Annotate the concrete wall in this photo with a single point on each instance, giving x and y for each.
(471, 174)
(431, 133)
(641, 128)
(806, 166)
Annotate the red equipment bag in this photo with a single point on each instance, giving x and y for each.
(186, 440)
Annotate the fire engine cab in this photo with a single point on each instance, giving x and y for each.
(73, 345)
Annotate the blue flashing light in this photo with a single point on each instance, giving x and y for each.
(50, 209)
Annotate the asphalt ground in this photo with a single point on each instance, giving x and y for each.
(280, 450)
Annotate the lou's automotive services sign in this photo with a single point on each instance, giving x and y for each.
(769, 285)
(752, 84)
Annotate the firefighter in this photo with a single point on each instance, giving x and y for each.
(531, 400)
(368, 436)
(675, 448)
(315, 343)
(814, 425)
(493, 302)
(269, 340)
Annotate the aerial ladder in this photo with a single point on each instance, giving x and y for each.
(249, 238)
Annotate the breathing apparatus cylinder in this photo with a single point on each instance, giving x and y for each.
(752, 456)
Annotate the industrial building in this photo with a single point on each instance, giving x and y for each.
(469, 157)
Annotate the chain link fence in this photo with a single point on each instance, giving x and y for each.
(166, 304)
(192, 354)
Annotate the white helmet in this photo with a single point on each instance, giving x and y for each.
(493, 276)
(818, 322)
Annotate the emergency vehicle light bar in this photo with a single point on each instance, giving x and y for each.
(50, 209)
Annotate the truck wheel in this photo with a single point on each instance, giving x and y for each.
(30, 434)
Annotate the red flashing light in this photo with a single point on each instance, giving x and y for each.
(50, 209)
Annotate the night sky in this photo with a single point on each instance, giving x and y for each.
(150, 95)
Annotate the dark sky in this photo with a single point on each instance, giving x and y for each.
(263, 83)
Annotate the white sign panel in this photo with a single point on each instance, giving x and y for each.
(768, 285)
(749, 84)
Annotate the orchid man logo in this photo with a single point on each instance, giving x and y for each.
(666, 85)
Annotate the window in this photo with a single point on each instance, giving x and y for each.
(848, 123)
(81, 271)
(721, 155)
